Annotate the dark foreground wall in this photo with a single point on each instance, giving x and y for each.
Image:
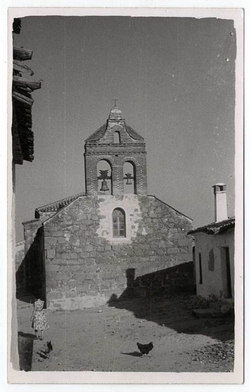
(30, 274)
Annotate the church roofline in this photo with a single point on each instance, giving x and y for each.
(30, 221)
(58, 205)
(100, 132)
(132, 133)
(178, 212)
(49, 218)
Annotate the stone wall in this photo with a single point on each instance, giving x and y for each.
(168, 281)
(85, 265)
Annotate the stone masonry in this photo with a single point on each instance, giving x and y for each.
(83, 268)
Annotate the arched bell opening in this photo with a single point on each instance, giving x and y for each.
(104, 177)
(129, 177)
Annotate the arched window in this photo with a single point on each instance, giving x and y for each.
(129, 182)
(117, 137)
(104, 177)
(119, 223)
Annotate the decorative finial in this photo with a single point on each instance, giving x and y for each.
(115, 100)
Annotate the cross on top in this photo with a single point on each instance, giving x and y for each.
(115, 100)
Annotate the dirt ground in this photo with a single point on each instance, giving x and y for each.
(104, 339)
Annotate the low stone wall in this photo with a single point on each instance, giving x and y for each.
(169, 281)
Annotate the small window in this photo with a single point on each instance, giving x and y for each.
(119, 226)
(117, 137)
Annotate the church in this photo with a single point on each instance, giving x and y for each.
(83, 250)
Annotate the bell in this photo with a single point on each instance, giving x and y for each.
(128, 178)
(104, 186)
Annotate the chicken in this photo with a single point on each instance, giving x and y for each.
(48, 348)
(49, 345)
(145, 348)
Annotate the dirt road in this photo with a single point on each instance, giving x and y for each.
(104, 339)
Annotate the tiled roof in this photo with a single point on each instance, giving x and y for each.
(132, 133)
(216, 227)
(97, 135)
(57, 205)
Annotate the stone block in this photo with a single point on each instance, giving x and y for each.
(94, 288)
(62, 240)
(185, 242)
(51, 240)
(51, 253)
(70, 295)
(64, 289)
(89, 248)
(54, 295)
(53, 267)
(82, 288)
(70, 256)
(144, 259)
(154, 258)
(172, 251)
(59, 276)
(75, 268)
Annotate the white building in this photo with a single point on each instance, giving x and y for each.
(214, 251)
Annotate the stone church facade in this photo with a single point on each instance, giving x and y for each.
(83, 250)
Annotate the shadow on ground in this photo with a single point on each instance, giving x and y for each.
(175, 312)
(133, 354)
(167, 297)
(25, 349)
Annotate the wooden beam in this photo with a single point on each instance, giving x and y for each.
(22, 54)
(21, 98)
(33, 85)
(19, 67)
(16, 25)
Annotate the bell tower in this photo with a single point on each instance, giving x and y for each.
(115, 159)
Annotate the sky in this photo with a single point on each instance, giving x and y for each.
(174, 78)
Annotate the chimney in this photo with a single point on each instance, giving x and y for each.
(220, 202)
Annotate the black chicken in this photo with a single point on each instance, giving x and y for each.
(49, 345)
(145, 348)
(48, 348)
